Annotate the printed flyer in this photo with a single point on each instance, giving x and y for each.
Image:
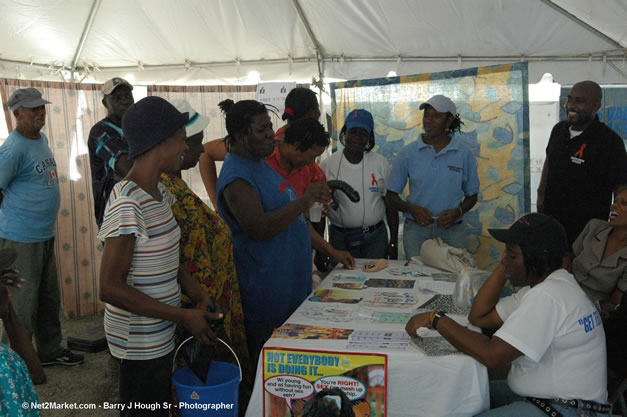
(292, 376)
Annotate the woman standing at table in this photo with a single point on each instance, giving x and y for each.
(272, 243)
(549, 330)
(207, 249)
(359, 227)
(140, 276)
(443, 181)
(300, 103)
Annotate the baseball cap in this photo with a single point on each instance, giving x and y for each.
(149, 122)
(441, 104)
(360, 118)
(113, 83)
(26, 97)
(196, 123)
(537, 230)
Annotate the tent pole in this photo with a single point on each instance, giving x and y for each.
(582, 23)
(618, 70)
(317, 48)
(88, 24)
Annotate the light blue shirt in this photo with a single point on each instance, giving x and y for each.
(439, 181)
(30, 188)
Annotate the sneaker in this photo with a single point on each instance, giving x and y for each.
(65, 358)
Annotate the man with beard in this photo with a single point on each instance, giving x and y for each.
(108, 151)
(29, 202)
(584, 162)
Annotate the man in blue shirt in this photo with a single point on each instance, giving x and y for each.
(108, 150)
(29, 202)
(443, 180)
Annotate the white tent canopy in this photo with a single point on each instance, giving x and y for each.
(223, 41)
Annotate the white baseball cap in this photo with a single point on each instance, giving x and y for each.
(197, 122)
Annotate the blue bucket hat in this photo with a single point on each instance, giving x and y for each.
(149, 122)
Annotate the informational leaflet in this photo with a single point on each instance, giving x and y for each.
(292, 376)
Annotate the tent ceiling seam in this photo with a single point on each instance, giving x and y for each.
(581, 23)
(617, 55)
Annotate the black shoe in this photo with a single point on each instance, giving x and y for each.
(65, 358)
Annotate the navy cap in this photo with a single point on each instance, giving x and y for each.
(537, 230)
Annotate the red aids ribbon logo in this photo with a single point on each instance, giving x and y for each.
(579, 153)
(283, 185)
(374, 180)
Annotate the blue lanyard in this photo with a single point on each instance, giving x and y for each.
(114, 127)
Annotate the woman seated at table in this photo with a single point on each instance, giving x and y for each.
(549, 330)
(359, 227)
(271, 238)
(600, 263)
(443, 180)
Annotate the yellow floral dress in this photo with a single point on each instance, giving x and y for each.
(207, 254)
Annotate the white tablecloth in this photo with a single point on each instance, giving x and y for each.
(418, 385)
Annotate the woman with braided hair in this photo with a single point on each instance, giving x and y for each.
(271, 238)
(443, 180)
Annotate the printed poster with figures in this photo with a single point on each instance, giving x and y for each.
(292, 376)
(274, 94)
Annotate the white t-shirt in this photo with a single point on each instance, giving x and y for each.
(560, 334)
(368, 178)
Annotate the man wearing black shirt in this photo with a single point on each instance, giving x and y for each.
(584, 161)
(108, 151)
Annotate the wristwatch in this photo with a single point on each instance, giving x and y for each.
(437, 318)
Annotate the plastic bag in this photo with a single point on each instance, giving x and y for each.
(462, 294)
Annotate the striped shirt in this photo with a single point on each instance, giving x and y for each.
(154, 269)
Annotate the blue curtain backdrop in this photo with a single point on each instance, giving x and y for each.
(493, 104)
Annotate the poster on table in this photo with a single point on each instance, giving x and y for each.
(292, 376)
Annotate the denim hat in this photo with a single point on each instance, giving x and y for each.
(537, 230)
(149, 122)
(360, 118)
(26, 97)
(110, 85)
(196, 123)
(441, 104)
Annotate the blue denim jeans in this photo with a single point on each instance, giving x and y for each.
(505, 403)
(372, 247)
(414, 236)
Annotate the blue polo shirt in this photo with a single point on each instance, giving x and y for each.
(439, 181)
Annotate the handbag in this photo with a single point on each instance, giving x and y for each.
(434, 252)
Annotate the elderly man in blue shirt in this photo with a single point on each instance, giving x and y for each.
(29, 202)
(443, 181)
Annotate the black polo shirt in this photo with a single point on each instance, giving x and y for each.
(582, 172)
